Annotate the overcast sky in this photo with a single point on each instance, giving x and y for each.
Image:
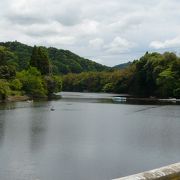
(107, 31)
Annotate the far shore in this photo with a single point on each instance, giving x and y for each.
(21, 98)
(17, 98)
(114, 97)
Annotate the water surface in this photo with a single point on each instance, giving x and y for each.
(87, 137)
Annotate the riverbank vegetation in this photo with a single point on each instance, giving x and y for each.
(36, 80)
(39, 72)
(154, 74)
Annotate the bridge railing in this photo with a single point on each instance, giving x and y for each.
(171, 172)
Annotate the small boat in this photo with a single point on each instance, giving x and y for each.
(119, 99)
(169, 100)
(29, 101)
(52, 108)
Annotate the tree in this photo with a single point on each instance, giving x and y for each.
(4, 89)
(53, 84)
(34, 57)
(15, 84)
(166, 82)
(177, 93)
(109, 87)
(7, 72)
(32, 83)
(7, 57)
(40, 60)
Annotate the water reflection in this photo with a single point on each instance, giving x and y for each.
(2, 126)
(38, 127)
(84, 140)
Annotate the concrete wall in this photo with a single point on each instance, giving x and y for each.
(171, 172)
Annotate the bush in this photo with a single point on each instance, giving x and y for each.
(32, 82)
(109, 87)
(15, 84)
(4, 89)
(177, 93)
(53, 84)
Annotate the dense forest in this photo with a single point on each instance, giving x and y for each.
(62, 61)
(40, 72)
(36, 80)
(153, 74)
(122, 66)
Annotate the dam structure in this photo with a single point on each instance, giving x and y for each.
(171, 172)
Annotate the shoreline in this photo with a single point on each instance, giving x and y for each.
(120, 98)
(17, 98)
(21, 98)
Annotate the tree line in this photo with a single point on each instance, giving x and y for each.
(62, 61)
(154, 74)
(36, 80)
(39, 72)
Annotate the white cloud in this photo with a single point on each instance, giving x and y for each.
(96, 43)
(88, 27)
(111, 31)
(66, 40)
(119, 45)
(170, 43)
(127, 22)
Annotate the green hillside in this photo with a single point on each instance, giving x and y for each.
(62, 61)
(122, 66)
(154, 74)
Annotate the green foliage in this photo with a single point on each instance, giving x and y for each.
(7, 63)
(7, 57)
(122, 66)
(166, 82)
(177, 93)
(154, 74)
(68, 62)
(32, 83)
(58, 84)
(7, 72)
(40, 60)
(92, 81)
(61, 61)
(22, 53)
(53, 84)
(4, 89)
(15, 85)
(109, 87)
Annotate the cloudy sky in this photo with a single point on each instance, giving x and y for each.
(107, 31)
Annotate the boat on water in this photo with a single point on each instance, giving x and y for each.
(170, 100)
(119, 99)
(52, 108)
(29, 101)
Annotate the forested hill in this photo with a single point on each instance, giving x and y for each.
(154, 74)
(122, 66)
(63, 61)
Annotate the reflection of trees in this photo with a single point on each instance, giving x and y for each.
(38, 128)
(2, 124)
(4, 110)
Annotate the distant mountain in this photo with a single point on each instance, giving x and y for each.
(122, 66)
(63, 61)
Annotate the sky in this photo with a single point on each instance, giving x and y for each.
(107, 31)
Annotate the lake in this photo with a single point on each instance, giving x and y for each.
(86, 137)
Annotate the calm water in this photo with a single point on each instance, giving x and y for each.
(86, 138)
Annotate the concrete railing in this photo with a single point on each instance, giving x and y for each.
(171, 172)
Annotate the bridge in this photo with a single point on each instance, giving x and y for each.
(171, 172)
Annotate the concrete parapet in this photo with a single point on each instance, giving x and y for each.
(171, 172)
